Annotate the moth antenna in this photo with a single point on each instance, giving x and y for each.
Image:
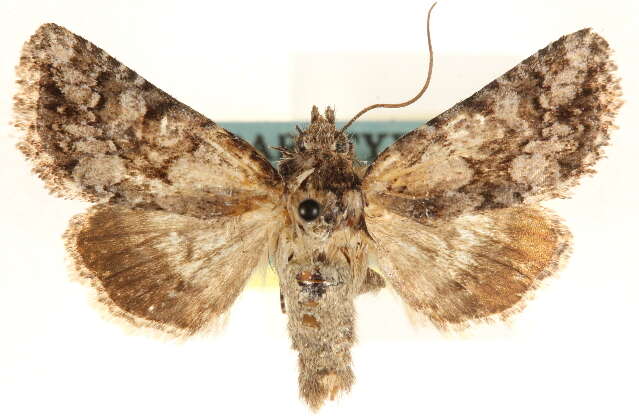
(414, 99)
(285, 151)
(299, 130)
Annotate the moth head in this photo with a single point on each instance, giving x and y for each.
(323, 192)
(322, 135)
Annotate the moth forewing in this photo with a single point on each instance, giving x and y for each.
(526, 137)
(96, 130)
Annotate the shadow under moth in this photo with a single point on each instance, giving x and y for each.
(185, 211)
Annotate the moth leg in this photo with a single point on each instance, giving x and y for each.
(373, 282)
(282, 303)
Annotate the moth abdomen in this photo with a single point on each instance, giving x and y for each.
(318, 288)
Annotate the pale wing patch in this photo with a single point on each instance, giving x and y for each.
(166, 271)
(470, 268)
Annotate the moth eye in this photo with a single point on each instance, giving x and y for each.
(309, 210)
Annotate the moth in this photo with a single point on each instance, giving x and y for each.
(448, 217)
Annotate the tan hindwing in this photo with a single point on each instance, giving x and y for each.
(166, 271)
(474, 267)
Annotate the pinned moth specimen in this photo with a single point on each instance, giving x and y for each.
(448, 216)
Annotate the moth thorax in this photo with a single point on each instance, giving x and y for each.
(322, 135)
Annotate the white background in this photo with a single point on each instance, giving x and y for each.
(571, 353)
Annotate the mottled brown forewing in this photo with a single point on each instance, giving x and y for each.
(526, 137)
(98, 131)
